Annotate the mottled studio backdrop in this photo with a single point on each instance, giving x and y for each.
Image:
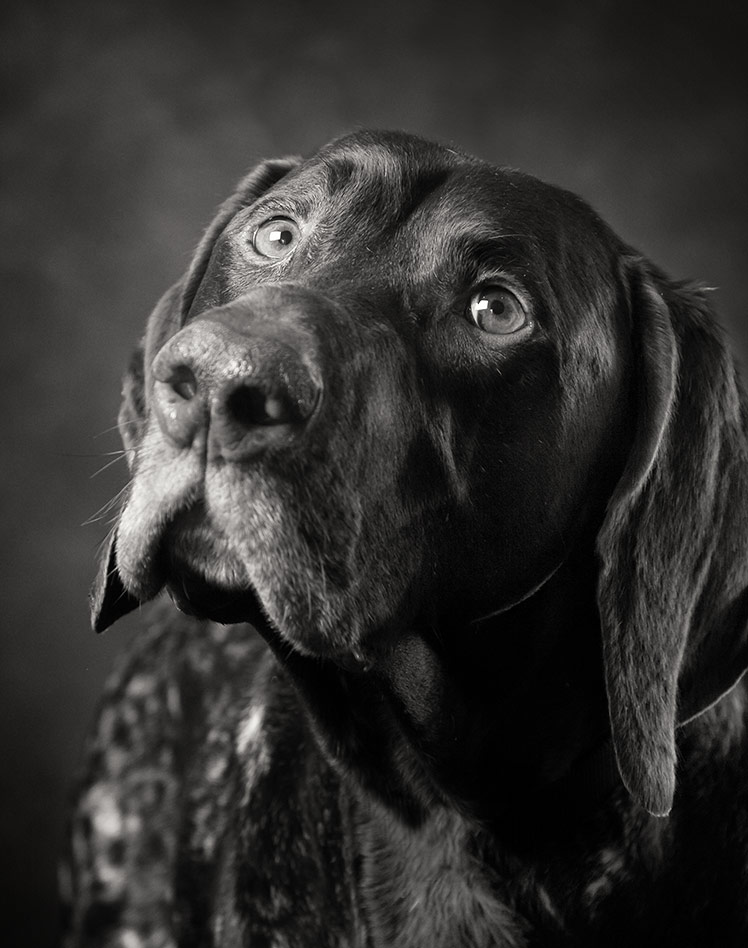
(124, 124)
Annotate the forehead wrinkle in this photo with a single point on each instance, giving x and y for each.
(375, 177)
(486, 246)
(355, 164)
(384, 180)
(462, 254)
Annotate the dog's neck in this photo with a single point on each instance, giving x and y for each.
(522, 699)
(501, 720)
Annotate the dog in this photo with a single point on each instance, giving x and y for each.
(449, 486)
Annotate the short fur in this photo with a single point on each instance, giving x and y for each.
(470, 608)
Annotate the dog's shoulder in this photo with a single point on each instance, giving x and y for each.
(204, 796)
(167, 714)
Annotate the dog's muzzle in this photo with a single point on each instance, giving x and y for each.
(245, 389)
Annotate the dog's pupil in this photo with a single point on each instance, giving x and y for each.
(495, 307)
(283, 237)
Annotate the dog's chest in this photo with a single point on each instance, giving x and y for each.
(425, 888)
(323, 864)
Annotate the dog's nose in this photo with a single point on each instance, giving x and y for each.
(246, 392)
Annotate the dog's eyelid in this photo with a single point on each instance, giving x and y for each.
(504, 278)
(268, 207)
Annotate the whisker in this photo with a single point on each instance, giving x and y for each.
(118, 455)
(95, 454)
(106, 508)
(117, 426)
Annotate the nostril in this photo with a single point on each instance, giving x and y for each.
(182, 380)
(179, 407)
(250, 405)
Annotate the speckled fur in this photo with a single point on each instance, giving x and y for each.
(210, 817)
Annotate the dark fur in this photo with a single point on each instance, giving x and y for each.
(485, 568)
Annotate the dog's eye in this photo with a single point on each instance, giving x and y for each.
(276, 237)
(497, 311)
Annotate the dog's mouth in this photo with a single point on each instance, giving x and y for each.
(284, 548)
(184, 552)
(179, 532)
(202, 578)
(197, 596)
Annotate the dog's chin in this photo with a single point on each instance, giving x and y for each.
(205, 578)
(225, 595)
(206, 573)
(196, 596)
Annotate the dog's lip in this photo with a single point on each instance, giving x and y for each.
(194, 595)
(201, 596)
(162, 563)
(197, 596)
(173, 484)
(166, 537)
(174, 546)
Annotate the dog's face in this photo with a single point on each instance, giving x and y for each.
(397, 386)
(448, 391)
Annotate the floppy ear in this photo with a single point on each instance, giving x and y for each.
(109, 599)
(673, 587)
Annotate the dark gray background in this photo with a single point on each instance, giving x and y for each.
(126, 123)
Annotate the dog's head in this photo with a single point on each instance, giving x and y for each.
(398, 389)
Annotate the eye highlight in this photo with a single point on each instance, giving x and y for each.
(497, 311)
(276, 238)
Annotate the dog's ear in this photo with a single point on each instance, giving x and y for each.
(109, 599)
(673, 587)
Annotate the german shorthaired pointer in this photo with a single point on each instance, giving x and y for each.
(452, 484)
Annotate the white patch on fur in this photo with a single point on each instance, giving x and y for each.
(612, 865)
(547, 904)
(106, 816)
(252, 746)
(216, 769)
(250, 729)
(140, 686)
(130, 939)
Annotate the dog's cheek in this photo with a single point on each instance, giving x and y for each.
(329, 547)
(165, 482)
